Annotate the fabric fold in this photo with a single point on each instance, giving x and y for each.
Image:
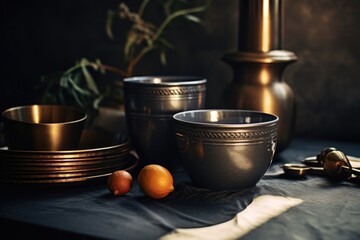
(261, 210)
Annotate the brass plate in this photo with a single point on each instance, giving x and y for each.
(61, 172)
(5, 163)
(93, 143)
(100, 153)
(71, 178)
(57, 168)
(38, 156)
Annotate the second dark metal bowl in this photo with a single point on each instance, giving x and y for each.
(225, 149)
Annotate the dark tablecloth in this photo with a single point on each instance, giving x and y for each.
(83, 211)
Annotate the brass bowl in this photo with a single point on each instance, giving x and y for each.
(225, 149)
(43, 127)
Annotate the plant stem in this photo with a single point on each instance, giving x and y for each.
(114, 70)
(175, 15)
(142, 7)
(136, 59)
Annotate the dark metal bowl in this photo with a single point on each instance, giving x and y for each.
(150, 103)
(225, 149)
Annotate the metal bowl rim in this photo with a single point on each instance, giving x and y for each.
(178, 80)
(225, 125)
(81, 119)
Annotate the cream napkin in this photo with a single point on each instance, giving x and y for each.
(261, 210)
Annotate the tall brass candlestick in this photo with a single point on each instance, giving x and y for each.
(258, 66)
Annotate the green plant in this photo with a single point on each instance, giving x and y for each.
(144, 36)
(79, 84)
(76, 86)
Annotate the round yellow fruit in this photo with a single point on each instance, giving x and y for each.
(119, 182)
(155, 181)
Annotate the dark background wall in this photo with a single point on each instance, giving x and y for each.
(40, 37)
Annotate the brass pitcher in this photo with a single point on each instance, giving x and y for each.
(258, 66)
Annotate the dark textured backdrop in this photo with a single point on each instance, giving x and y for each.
(40, 37)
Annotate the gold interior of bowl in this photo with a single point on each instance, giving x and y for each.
(44, 114)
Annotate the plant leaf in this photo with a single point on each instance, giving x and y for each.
(97, 101)
(109, 23)
(163, 56)
(77, 88)
(149, 40)
(89, 79)
(98, 63)
(78, 101)
(130, 42)
(192, 18)
(64, 81)
(166, 43)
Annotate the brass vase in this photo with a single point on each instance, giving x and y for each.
(259, 64)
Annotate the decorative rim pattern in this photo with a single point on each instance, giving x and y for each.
(166, 91)
(234, 135)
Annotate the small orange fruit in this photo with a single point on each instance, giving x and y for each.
(155, 181)
(119, 182)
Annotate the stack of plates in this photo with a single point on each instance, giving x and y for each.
(99, 154)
